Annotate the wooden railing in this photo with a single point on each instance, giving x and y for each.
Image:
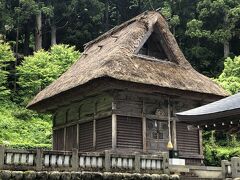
(44, 160)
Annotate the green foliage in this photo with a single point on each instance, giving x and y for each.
(167, 12)
(230, 77)
(21, 128)
(219, 146)
(6, 56)
(28, 8)
(39, 70)
(195, 29)
(214, 154)
(217, 20)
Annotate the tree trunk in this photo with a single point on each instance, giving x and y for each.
(226, 49)
(226, 43)
(140, 2)
(26, 40)
(53, 34)
(16, 60)
(107, 15)
(38, 35)
(174, 30)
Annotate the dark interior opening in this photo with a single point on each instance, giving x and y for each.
(153, 48)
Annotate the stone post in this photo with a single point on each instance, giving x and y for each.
(2, 151)
(235, 162)
(107, 163)
(137, 163)
(75, 159)
(39, 156)
(165, 163)
(223, 165)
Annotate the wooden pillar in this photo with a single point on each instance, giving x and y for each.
(200, 142)
(79, 118)
(114, 127)
(65, 130)
(77, 135)
(144, 131)
(144, 128)
(64, 138)
(174, 134)
(94, 133)
(94, 126)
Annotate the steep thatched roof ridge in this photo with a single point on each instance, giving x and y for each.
(115, 29)
(113, 55)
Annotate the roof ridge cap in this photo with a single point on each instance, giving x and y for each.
(118, 28)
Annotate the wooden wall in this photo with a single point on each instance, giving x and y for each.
(88, 124)
(187, 140)
(71, 137)
(58, 140)
(154, 109)
(73, 125)
(129, 132)
(86, 136)
(104, 133)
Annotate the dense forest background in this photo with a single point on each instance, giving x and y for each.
(40, 39)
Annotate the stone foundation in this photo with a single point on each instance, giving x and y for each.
(56, 175)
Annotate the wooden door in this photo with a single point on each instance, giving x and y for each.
(157, 135)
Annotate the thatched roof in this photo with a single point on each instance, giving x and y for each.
(114, 55)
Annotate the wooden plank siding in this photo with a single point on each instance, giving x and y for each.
(129, 132)
(130, 112)
(82, 109)
(187, 140)
(104, 133)
(86, 136)
(71, 138)
(58, 139)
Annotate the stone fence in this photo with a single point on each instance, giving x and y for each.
(46, 160)
(231, 169)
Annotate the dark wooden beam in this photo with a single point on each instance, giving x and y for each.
(144, 128)
(174, 134)
(105, 84)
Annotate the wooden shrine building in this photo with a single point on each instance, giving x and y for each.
(124, 91)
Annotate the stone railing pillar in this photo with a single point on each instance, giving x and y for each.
(235, 164)
(137, 163)
(165, 163)
(2, 151)
(38, 160)
(107, 159)
(226, 169)
(75, 159)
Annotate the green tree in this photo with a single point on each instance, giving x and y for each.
(43, 67)
(84, 22)
(217, 21)
(33, 8)
(6, 56)
(230, 77)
